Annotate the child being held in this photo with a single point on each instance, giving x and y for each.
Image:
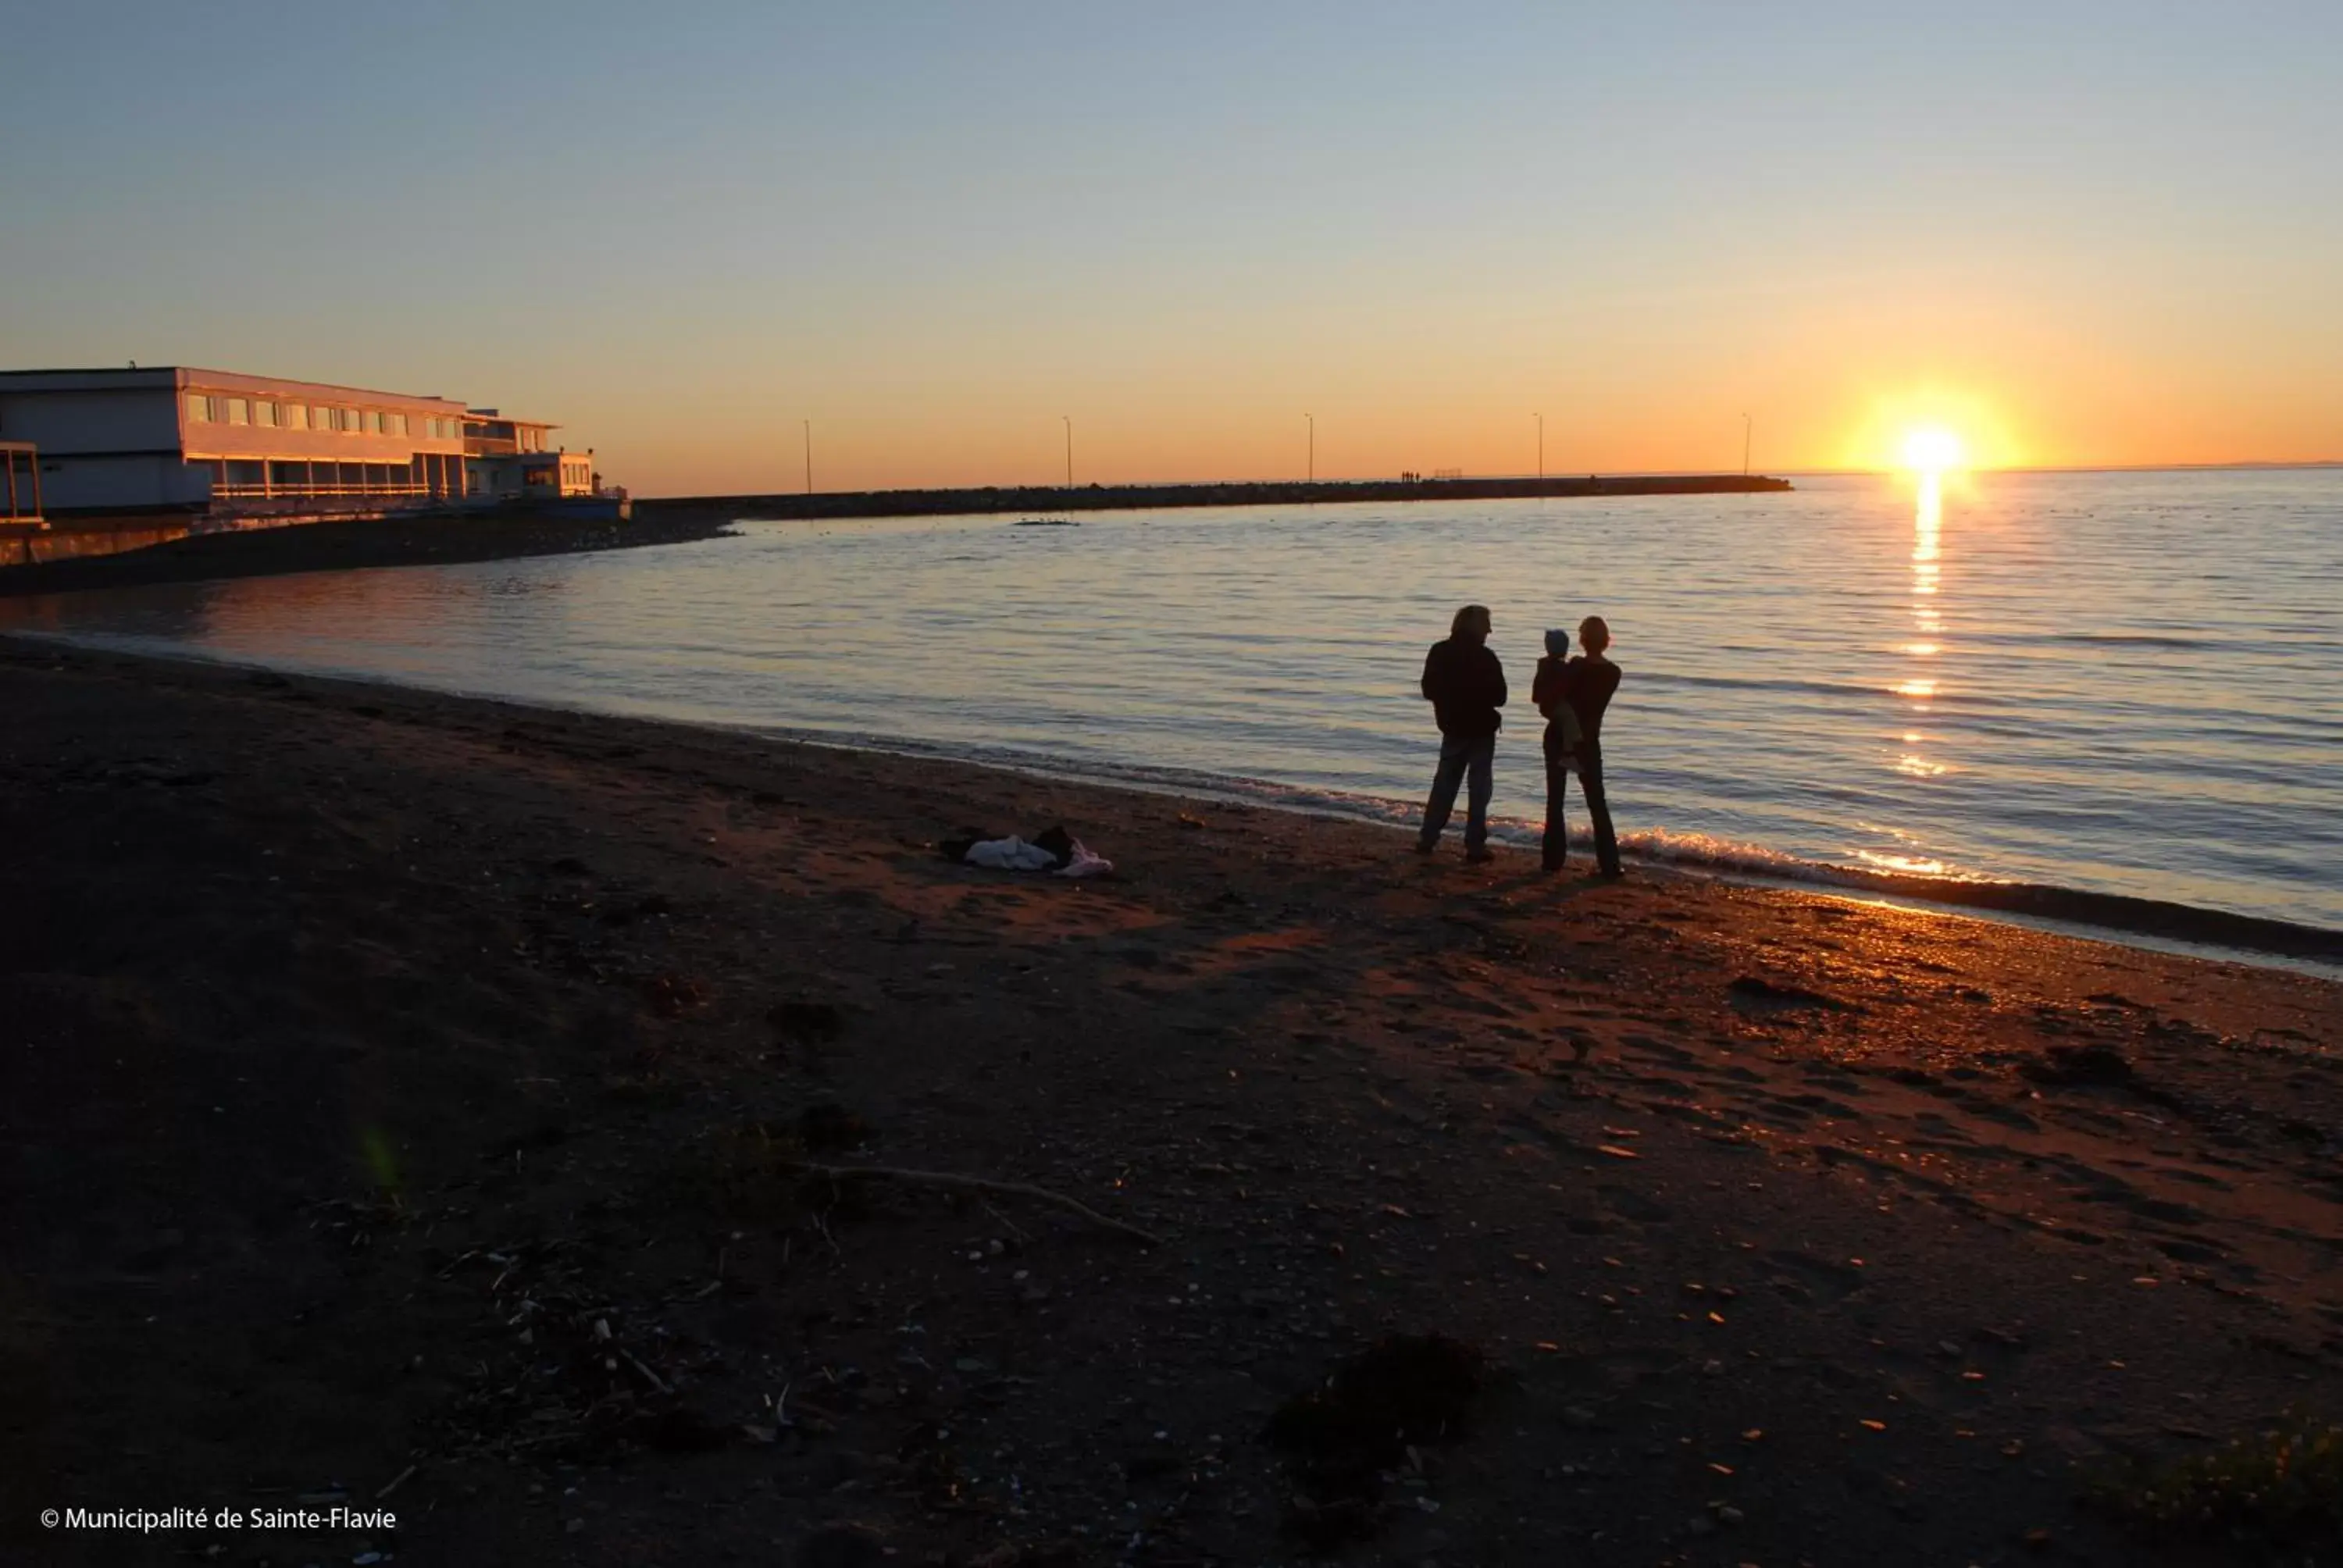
(1549, 691)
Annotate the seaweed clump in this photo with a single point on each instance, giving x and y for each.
(2274, 1493)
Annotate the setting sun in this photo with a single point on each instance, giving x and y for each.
(1933, 449)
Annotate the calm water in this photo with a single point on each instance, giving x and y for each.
(2124, 683)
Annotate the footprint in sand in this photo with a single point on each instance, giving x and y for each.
(1630, 1204)
(1833, 1282)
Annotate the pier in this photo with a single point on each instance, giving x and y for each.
(1036, 499)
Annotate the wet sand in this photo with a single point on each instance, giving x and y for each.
(412, 1099)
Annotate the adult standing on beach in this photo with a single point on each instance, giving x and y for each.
(1587, 685)
(1466, 685)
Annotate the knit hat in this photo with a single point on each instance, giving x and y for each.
(1557, 642)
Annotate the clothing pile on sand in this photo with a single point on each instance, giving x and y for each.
(1056, 851)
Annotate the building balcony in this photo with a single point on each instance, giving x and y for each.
(250, 492)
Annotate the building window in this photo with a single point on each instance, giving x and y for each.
(264, 413)
(296, 415)
(240, 411)
(394, 424)
(324, 418)
(199, 409)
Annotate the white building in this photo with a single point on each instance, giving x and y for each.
(189, 439)
(506, 459)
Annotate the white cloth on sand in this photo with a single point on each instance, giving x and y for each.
(1011, 854)
(1014, 854)
(1085, 864)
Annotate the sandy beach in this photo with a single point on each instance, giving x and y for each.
(417, 1105)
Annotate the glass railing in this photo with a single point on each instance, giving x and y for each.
(241, 490)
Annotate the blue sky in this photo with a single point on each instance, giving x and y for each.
(2092, 233)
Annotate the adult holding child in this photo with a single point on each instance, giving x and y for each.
(1549, 692)
(1572, 696)
(1466, 685)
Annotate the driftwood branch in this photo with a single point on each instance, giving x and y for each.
(951, 1182)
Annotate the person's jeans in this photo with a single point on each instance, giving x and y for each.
(1556, 845)
(1459, 758)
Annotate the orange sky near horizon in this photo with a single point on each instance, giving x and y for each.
(2014, 400)
(2035, 359)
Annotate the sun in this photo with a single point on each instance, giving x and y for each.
(1933, 449)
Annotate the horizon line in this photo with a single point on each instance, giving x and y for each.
(1593, 474)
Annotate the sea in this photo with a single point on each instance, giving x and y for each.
(2125, 684)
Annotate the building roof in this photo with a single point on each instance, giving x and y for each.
(503, 419)
(116, 379)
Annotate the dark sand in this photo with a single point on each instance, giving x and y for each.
(404, 1099)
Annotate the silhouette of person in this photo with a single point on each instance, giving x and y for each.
(1588, 683)
(1466, 685)
(1549, 691)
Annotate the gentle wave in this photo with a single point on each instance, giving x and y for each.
(2069, 906)
(2119, 639)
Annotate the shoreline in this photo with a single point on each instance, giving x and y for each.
(2084, 913)
(421, 1092)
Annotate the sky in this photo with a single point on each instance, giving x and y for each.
(2076, 233)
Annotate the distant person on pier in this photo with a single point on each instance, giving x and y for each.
(1466, 685)
(1585, 685)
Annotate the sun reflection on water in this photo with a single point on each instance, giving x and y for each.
(1920, 683)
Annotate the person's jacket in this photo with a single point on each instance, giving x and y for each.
(1588, 686)
(1466, 685)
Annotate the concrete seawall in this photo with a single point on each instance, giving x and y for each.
(1134, 497)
